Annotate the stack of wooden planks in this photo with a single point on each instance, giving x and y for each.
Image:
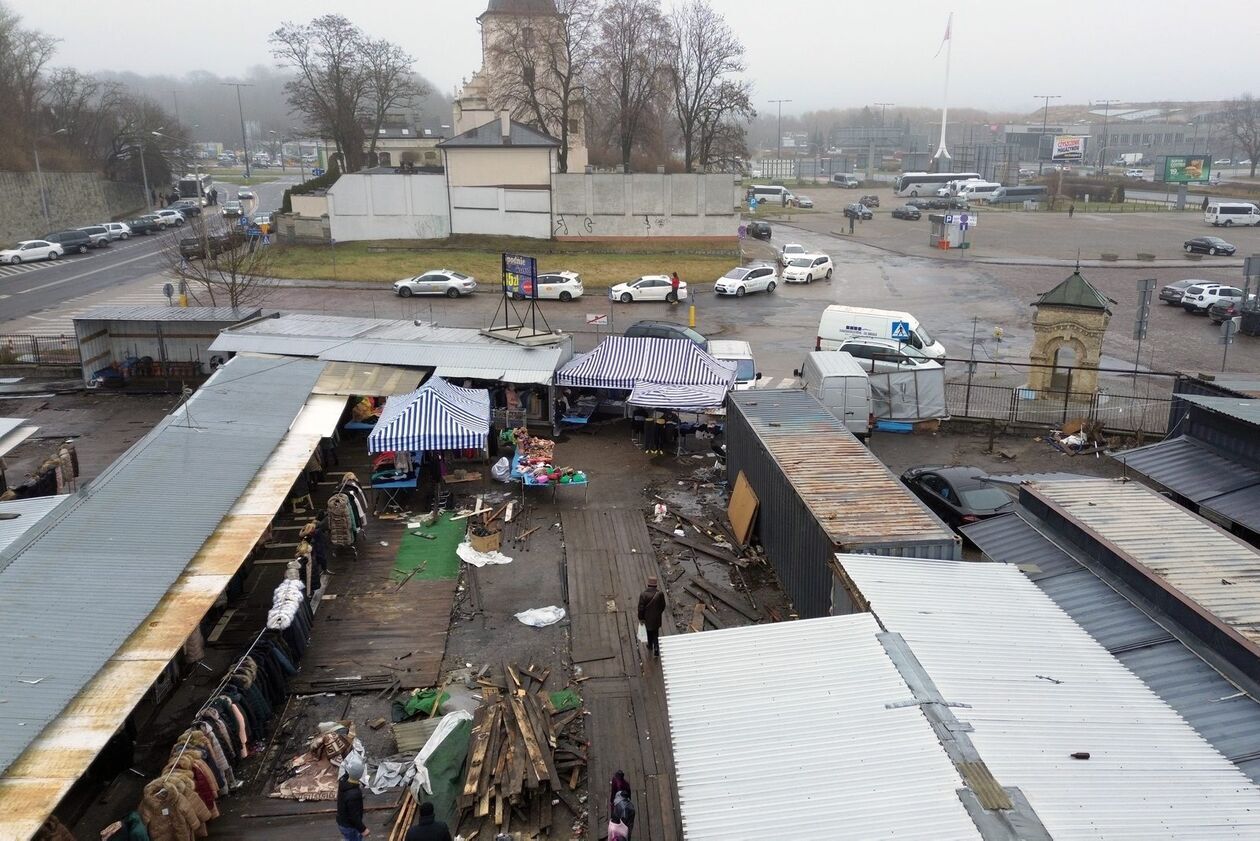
(521, 759)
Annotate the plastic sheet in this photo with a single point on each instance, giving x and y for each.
(540, 617)
(471, 556)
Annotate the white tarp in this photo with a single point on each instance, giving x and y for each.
(915, 394)
(470, 555)
(540, 617)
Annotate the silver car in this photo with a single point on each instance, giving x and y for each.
(446, 282)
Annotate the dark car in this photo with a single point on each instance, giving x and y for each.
(188, 207)
(1208, 245)
(191, 247)
(759, 230)
(1172, 293)
(956, 494)
(71, 241)
(665, 330)
(869, 201)
(858, 211)
(1222, 311)
(145, 225)
(906, 211)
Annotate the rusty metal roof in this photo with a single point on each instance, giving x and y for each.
(855, 498)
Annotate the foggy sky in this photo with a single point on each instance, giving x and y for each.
(819, 53)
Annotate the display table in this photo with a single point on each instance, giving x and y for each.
(359, 426)
(526, 480)
(390, 491)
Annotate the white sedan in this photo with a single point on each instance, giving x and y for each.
(744, 279)
(28, 251)
(653, 287)
(446, 282)
(807, 268)
(559, 286)
(789, 251)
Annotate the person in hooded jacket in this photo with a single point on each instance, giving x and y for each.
(429, 828)
(350, 801)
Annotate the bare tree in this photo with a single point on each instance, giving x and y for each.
(391, 82)
(23, 55)
(629, 59)
(1242, 123)
(540, 64)
(722, 127)
(704, 50)
(237, 272)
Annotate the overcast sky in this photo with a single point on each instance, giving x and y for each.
(819, 53)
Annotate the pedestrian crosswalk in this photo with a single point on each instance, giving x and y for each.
(146, 292)
(8, 270)
(776, 382)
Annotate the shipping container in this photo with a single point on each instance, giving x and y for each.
(821, 491)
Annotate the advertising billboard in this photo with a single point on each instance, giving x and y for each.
(520, 276)
(1187, 169)
(1068, 147)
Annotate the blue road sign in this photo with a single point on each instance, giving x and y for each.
(901, 331)
(316, 172)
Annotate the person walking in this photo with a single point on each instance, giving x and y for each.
(350, 801)
(651, 609)
(673, 286)
(618, 785)
(623, 813)
(429, 828)
(1071, 209)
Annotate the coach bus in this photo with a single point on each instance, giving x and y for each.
(927, 183)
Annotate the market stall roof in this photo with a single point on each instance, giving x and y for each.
(677, 396)
(14, 431)
(620, 362)
(436, 416)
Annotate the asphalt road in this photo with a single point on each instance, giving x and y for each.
(31, 288)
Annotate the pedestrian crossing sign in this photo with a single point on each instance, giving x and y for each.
(901, 331)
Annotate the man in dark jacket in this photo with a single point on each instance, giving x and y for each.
(651, 609)
(350, 802)
(429, 828)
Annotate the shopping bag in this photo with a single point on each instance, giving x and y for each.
(617, 831)
(642, 633)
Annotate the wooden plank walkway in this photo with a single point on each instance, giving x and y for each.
(609, 556)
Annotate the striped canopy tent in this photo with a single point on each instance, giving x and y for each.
(436, 416)
(662, 373)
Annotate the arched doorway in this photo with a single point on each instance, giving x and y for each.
(1066, 354)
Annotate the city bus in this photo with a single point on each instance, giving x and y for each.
(187, 187)
(927, 183)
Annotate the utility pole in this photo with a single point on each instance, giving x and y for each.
(1102, 152)
(779, 102)
(175, 100)
(1045, 115)
(241, 110)
(882, 107)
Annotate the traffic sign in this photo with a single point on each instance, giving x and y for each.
(168, 291)
(963, 221)
(316, 172)
(901, 331)
(596, 319)
(949, 218)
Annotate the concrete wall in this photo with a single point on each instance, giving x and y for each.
(617, 206)
(499, 167)
(500, 210)
(308, 230)
(313, 206)
(74, 199)
(389, 206)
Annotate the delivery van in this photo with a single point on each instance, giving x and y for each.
(840, 384)
(840, 322)
(739, 354)
(977, 191)
(1231, 213)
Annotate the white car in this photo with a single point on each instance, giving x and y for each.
(1198, 298)
(446, 282)
(1027, 173)
(741, 280)
(789, 251)
(167, 217)
(560, 286)
(653, 287)
(1134, 173)
(117, 230)
(1221, 162)
(883, 356)
(807, 268)
(245, 194)
(28, 251)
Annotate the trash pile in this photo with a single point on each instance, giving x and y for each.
(1079, 437)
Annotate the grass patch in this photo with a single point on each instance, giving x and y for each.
(600, 264)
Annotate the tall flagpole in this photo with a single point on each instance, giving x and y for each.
(941, 151)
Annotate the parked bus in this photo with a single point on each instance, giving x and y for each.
(927, 183)
(1231, 213)
(187, 187)
(1018, 195)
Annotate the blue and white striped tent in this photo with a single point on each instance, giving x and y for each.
(676, 373)
(436, 416)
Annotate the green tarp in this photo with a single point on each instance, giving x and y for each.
(436, 554)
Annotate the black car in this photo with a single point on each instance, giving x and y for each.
(665, 330)
(191, 247)
(956, 494)
(869, 201)
(759, 230)
(1222, 310)
(1172, 293)
(71, 240)
(906, 211)
(1208, 245)
(145, 225)
(858, 211)
(188, 207)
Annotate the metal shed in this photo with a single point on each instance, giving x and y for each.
(822, 492)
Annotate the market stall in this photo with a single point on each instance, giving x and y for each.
(534, 465)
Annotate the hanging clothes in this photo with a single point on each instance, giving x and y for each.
(340, 524)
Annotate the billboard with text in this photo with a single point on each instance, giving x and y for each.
(1187, 169)
(1068, 147)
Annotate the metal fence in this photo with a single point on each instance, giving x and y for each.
(39, 350)
(1124, 402)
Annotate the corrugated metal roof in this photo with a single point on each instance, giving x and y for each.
(1190, 468)
(1022, 478)
(104, 561)
(310, 325)
(230, 342)
(7, 425)
(229, 315)
(1216, 570)
(29, 512)
(1035, 689)
(1207, 700)
(490, 361)
(1245, 384)
(1243, 409)
(1241, 506)
(855, 498)
(785, 730)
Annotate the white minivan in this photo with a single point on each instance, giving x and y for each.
(841, 322)
(773, 194)
(1231, 213)
(739, 354)
(840, 384)
(846, 180)
(977, 191)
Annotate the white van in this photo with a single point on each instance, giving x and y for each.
(977, 191)
(1231, 213)
(846, 180)
(840, 384)
(740, 354)
(951, 188)
(773, 194)
(839, 322)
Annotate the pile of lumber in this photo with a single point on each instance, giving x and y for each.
(522, 759)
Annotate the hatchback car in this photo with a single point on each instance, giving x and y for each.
(883, 356)
(31, 250)
(233, 208)
(759, 230)
(807, 268)
(1134, 173)
(956, 494)
(741, 280)
(653, 287)
(71, 241)
(117, 230)
(665, 330)
(907, 211)
(99, 235)
(1208, 245)
(245, 194)
(169, 217)
(804, 201)
(188, 207)
(1197, 299)
(446, 282)
(1171, 293)
(144, 225)
(858, 211)
(1224, 310)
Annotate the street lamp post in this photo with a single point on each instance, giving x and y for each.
(779, 102)
(281, 139)
(205, 237)
(39, 176)
(1102, 152)
(1045, 115)
(240, 109)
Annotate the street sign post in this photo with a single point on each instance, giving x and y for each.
(901, 331)
(316, 172)
(1142, 320)
(596, 319)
